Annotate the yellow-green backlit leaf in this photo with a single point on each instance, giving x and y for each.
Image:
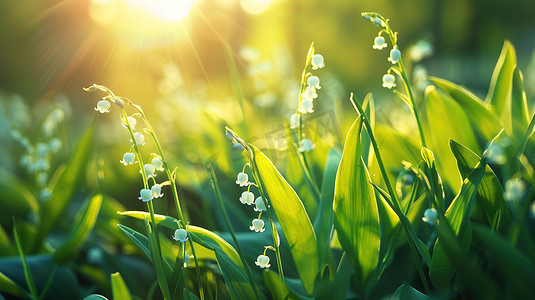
(119, 289)
(458, 215)
(85, 221)
(447, 120)
(483, 121)
(292, 217)
(356, 217)
(500, 85)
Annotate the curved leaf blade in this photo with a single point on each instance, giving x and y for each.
(356, 216)
(292, 217)
(119, 288)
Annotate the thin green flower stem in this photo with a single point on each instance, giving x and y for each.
(223, 210)
(259, 184)
(394, 203)
(274, 235)
(403, 73)
(197, 270)
(166, 167)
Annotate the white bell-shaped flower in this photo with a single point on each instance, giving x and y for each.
(514, 189)
(395, 55)
(139, 138)
(294, 121)
(156, 191)
(317, 61)
(157, 163)
(180, 235)
(389, 81)
(314, 81)
(306, 145)
(103, 106)
(247, 198)
(257, 225)
(129, 158)
(379, 43)
(310, 93)
(145, 195)
(260, 204)
(430, 216)
(307, 106)
(262, 261)
(150, 171)
(243, 179)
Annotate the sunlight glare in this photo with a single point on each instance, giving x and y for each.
(255, 7)
(166, 10)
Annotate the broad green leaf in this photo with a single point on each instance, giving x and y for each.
(119, 289)
(476, 281)
(67, 185)
(519, 105)
(17, 200)
(292, 217)
(9, 286)
(407, 292)
(85, 221)
(489, 198)
(517, 270)
(207, 236)
(323, 224)
(500, 85)
(447, 120)
(356, 216)
(458, 215)
(483, 121)
(236, 281)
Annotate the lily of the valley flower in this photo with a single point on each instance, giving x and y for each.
(317, 62)
(260, 204)
(379, 43)
(145, 195)
(150, 170)
(103, 106)
(307, 106)
(132, 122)
(389, 81)
(139, 138)
(157, 163)
(430, 216)
(514, 189)
(156, 191)
(306, 145)
(257, 225)
(314, 81)
(128, 158)
(310, 93)
(247, 198)
(243, 179)
(395, 55)
(262, 261)
(294, 121)
(180, 235)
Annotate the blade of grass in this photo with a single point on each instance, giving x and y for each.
(27, 272)
(85, 221)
